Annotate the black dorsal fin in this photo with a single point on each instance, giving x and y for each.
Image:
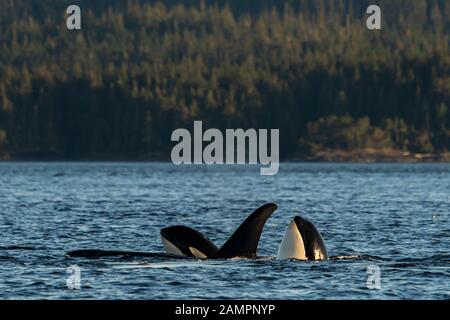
(244, 241)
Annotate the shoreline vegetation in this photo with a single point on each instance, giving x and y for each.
(138, 70)
(370, 155)
(366, 155)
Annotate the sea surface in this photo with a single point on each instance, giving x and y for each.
(389, 222)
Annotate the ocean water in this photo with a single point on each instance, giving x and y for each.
(391, 218)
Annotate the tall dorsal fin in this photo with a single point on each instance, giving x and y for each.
(244, 241)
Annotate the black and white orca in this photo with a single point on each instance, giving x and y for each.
(181, 240)
(302, 241)
(185, 241)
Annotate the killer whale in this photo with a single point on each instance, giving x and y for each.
(302, 241)
(185, 242)
(181, 240)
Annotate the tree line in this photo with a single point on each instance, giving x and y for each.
(137, 70)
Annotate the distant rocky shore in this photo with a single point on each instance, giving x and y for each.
(373, 155)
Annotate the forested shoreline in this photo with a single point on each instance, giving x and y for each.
(140, 69)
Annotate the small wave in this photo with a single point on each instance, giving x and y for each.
(174, 283)
(16, 248)
(7, 258)
(349, 257)
(37, 283)
(240, 259)
(59, 174)
(358, 257)
(170, 265)
(436, 260)
(166, 266)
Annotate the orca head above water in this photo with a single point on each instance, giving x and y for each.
(185, 241)
(302, 241)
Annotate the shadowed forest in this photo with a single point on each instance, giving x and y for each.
(137, 70)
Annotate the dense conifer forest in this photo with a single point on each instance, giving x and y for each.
(137, 70)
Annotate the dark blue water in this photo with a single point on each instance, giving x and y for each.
(393, 216)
